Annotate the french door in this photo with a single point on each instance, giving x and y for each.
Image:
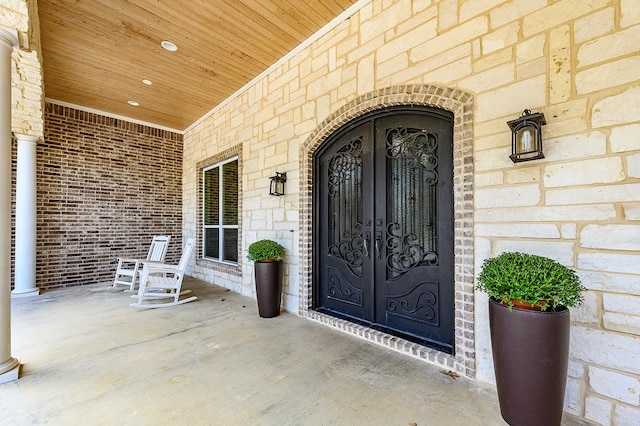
(383, 224)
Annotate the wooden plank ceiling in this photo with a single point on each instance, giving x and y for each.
(96, 53)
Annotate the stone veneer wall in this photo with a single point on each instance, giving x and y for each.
(27, 94)
(574, 60)
(105, 188)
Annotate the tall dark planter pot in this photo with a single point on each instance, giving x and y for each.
(268, 288)
(530, 357)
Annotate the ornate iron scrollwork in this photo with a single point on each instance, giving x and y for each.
(406, 251)
(417, 148)
(341, 289)
(344, 165)
(418, 304)
(350, 248)
(345, 206)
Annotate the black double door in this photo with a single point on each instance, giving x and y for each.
(383, 225)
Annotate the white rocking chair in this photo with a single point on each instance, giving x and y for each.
(128, 269)
(161, 281)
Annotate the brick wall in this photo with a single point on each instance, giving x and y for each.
(105, 188)
(574, 60)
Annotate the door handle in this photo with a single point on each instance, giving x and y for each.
(378, 242)
(366, 246)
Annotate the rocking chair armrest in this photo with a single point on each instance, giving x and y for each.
(122, 259)
(161, 269)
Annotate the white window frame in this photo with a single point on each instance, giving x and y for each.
(221, 226)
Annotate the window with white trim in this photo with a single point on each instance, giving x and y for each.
(220, 211)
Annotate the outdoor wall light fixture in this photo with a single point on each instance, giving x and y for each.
(526, 136)
(277, 184)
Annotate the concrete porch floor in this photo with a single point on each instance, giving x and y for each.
(88, 358)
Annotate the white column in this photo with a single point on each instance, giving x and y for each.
(9, 366)
(25, 269)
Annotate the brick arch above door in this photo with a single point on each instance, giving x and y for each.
(461, 104)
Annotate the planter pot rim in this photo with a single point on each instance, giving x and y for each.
(558, 310)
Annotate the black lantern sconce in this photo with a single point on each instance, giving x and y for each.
(277, 184)
(526, 136)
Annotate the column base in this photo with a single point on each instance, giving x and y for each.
(25, 293)
(12, 374)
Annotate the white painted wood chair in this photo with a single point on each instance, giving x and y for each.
(127, 271)
(162, 281)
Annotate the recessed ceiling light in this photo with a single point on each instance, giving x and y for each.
(133, 103)
(147, 82)
(167, 45)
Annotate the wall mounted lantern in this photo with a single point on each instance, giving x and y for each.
(277, 184)
(526, 136)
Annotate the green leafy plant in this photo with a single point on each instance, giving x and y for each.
(537, 280)
(262, 250)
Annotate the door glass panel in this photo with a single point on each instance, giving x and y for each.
(412, 173)
(345, 205)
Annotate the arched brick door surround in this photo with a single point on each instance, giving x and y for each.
(461, 104)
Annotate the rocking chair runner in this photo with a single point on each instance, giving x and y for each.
(128, 269)
(161, 281)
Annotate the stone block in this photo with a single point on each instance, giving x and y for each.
(631, 211)
(514, 10)
(575, 369)
(15, 17)
(489, 79)
(633, 165)
(594, 25)
(621, 322)
(611, 282)
(447, 14)
(629, 13)
(451, 38)
(516, 230)
(618, 109)
(625, 416)
(546, 214)
(608, 47)
(488, 179)
(614, 385)
(595, 194)
(587, 313)
(609, 262)
(601, 170)
(508, 101)
(446, 74)
(390, 49)
(523, 175)
(530, 49)
(609, 74)
(557, 13)
(625, 138)
(500, 38)
(560, 65)
(491, 60)
(560, 252)
(568, 231)
(604, 348)
(611, 237)
(383, 69)
(573, 397)
(521, 195)
(598, 410)
(531, 69)
(473, 8)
